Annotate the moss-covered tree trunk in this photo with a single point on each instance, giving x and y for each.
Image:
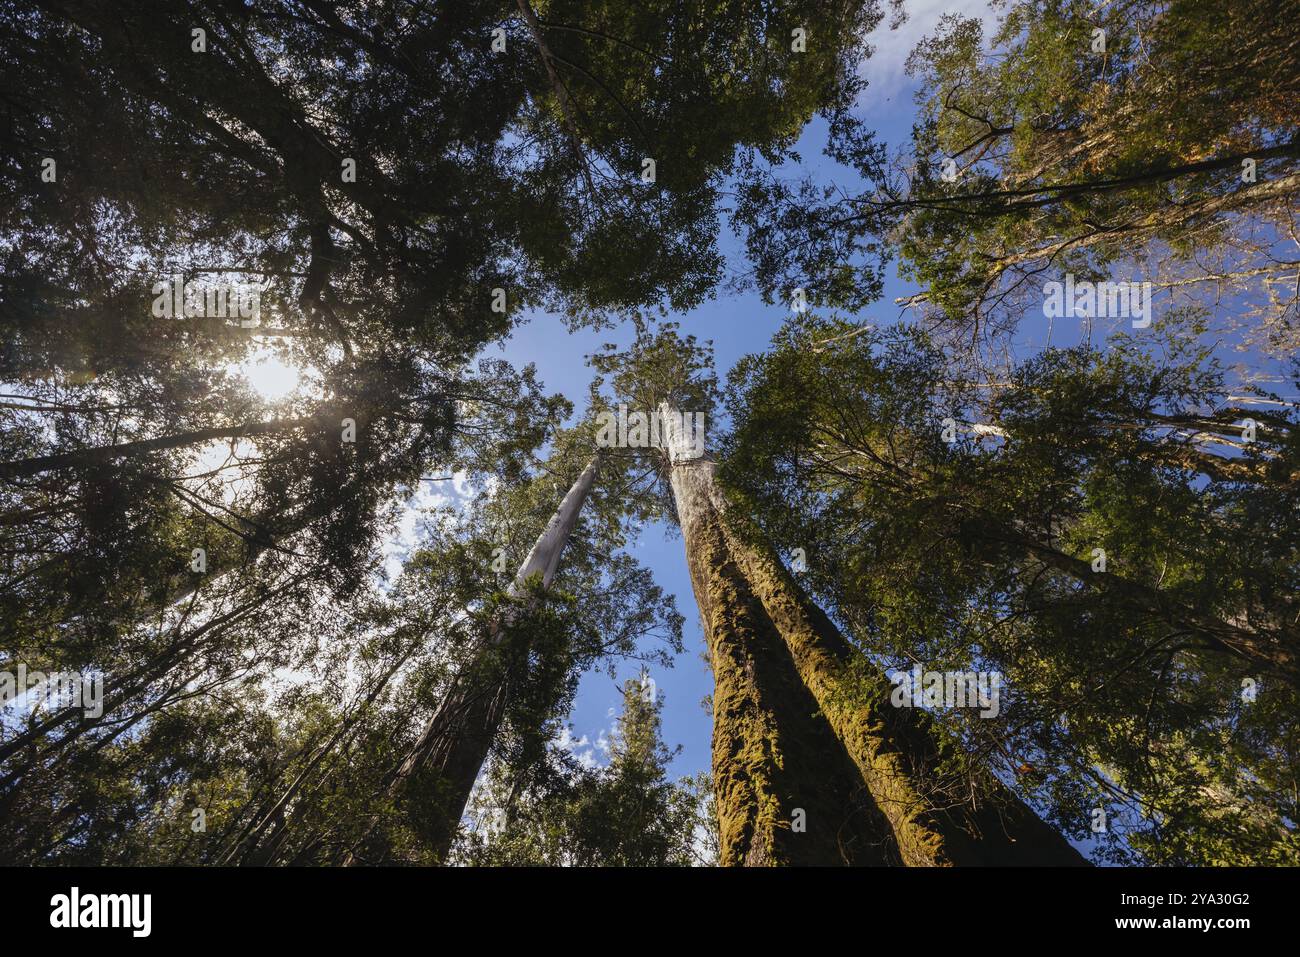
(939, 815)
(762, 629)
(786, 791)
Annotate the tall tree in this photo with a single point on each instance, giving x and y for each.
(1135, 139)
(520, 641)
(779, 660)
(785, 790)
(394, 215)
(1079, 528)
(451, 750)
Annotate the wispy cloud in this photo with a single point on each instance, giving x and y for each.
(406, 536)
(581, 748)
(884, 68)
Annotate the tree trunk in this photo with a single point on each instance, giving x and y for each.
(738, 580)
(437, 777)
(936, 816)
(98, 455)
(786, 791)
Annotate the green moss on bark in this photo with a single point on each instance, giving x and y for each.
(773, 754)
(936, 817)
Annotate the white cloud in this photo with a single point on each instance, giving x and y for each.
(884, 68)
(581, 748)
(405, 537)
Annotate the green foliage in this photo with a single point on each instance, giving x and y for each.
(1125, 688)
(128, 440)
(1036, 153)
(562, 813)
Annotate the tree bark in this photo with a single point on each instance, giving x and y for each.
(937, 818)
(786, 792)
(895, 751)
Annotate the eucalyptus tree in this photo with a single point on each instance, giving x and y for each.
(774, 759)
(575, 600)
(1122, 141)
(156, 645)
(395, 204)
(1112, 531)
(808, 766)
(315, 768)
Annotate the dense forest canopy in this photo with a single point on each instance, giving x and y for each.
(992, 547)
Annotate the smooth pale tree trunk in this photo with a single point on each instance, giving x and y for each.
(786, 791)
(894, 749)
(437, 777)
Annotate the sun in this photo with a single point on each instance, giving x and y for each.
(269, 375)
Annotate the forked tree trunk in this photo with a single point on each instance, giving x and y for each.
(786, 791)
(438, 775)
(894, 750)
